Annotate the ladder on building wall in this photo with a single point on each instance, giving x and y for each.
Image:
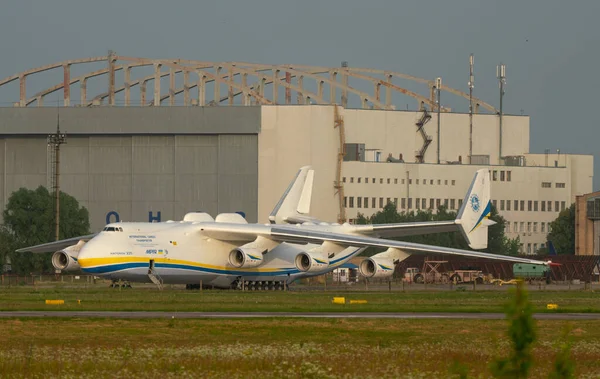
(425, 117)
(338, 122)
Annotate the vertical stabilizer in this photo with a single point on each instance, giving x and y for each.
(294, 205)
(473, 216)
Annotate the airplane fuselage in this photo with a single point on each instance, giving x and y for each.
(180, 254)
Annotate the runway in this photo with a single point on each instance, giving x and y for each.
(225, 315)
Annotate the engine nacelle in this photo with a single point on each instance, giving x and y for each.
(244, 257)
(376, 267)
(310, 262)
(66, 259)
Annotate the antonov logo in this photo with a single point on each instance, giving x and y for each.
(475, 205)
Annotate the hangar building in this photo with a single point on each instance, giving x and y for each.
(137, 159)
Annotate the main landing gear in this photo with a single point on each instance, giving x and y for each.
(261, 285)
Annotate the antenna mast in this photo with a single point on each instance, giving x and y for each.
(471, 86)
(54, 141)
(501, 74)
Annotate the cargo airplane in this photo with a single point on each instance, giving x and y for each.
(228, 252)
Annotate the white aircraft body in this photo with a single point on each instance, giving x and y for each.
(228, 252)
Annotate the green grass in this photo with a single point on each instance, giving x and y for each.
(275, 348)
(150, 299)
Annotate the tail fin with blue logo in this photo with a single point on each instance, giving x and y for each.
(473, 216)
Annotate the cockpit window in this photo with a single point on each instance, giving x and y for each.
(112, 229)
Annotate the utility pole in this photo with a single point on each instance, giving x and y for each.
(54, 142)
(438, 86)
(501, 74)
(471, 86)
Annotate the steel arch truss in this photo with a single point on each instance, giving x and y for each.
(241, 83)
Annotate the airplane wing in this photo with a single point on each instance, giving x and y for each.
(303, 235)
(51, 247)
(407, 228)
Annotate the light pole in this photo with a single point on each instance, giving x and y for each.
(54, 141)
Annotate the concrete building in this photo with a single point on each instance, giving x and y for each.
(152, 162)
(587, 224)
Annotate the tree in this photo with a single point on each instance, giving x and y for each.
(562, 234)
(29, 220)
(498, 243)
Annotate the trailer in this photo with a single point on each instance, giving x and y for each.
(532, 272)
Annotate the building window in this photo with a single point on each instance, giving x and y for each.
(446, 203)
(529, 249)
(562, 205)
(543, 204)
(431, 182)
(452, 203)
(417, 182)
(522, 227)
(395, 180)
(344, 179)
(402, 181)
(373, 203)
(358, 180)
(523, 205)
(446, 182)
(403, 203)
(508, 176)
(529, 227)
(529, 204)
(535, 206)
(460, 202)
(373, 180)
(535, 248)
(516, 205)
(560, 185)
(423, 203)
(380, 180)
(438, 203)
(410, 203)
(549, 206)
(546, 185)
(494, 175)
(508, 205)
(549, 228)
(439, 182)
(431, 203)
(501, 176)
(409, 181)
(454, 182)
(543, 225)
(366, 202)
(387, 201)
(507, 227)
(556, 204)
(501, 205)
(359, 202)
(515, 227)
(381, 202)
(366, 180)
(351, 201)
(396, 202)
(535, 227)
(389, 181)
(345, 201)
(417, 203)
(351, 179)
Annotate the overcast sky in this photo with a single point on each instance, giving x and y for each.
(550, 47)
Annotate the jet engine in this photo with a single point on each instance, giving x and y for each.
(66, 259)
(310, 262)
(376, 267)
(244, 257)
